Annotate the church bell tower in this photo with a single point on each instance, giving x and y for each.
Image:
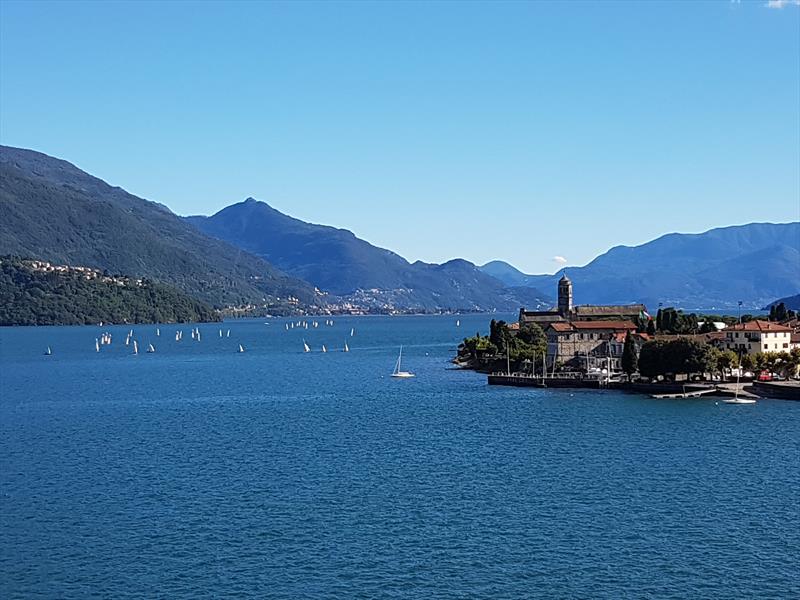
(564, 296)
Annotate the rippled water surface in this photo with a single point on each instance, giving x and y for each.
(200, 472)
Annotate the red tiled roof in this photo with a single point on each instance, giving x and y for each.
(760, 326)
(592, 325)
(603, 325)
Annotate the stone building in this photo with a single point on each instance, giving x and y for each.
(587, 344)
(584, 336)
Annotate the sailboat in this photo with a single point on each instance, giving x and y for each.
(324, 349)
(48, 352)
(736, 399)
(305, 347)
(458, 323)
(96, 345)
(398, 372)
(241, 348)
(158, 332)
(346, 347)
(220, 333)
(352, 332)
(150, 348)
(228, 333)
(135, 347)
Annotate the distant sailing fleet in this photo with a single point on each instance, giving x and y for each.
(106, 339)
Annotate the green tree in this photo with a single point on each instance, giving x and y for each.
(651, 327)
(630, 362)
(726, 361)
(708, 327)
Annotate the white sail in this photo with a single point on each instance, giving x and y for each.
(158, 332)
(241, 348)
(96, 345)
(398, 367)
(228, 334)
(305, 347)
(135, 347)
(220, 333)
(151, 348)
(127, 340)
(324, 349)
(458, 323)
(346, 347)
(352, 332)
(48, 352)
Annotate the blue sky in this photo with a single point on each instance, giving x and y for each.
(518, 131)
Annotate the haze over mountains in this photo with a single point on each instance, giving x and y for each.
(249, 252)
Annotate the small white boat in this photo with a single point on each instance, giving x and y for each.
(135, 347)
(150, 348)
(398, 371)
(352, 332)
(346, 347)
(458, 323)
(220, 333)
(305, 347)
(736, 399)
(158, 332)
(241, 348)
(127, 340)
(96, 345)
(228, 334)
(48, 352)
(324, 349)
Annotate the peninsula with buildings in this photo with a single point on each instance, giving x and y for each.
(623, 345)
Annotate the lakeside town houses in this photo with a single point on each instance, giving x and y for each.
(593, 336)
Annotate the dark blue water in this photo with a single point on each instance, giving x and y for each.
(199, 472)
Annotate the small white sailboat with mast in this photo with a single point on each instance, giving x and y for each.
(736, 399)
(398, 368)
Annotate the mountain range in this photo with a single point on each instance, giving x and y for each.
(53, 211)
(252, 254)
(755, 263)
(354, 270)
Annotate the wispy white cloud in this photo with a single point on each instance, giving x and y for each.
(559, 260)
(782, 3)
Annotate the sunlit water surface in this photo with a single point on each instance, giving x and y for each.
(199, 472)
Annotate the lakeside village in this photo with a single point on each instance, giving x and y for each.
(625, 347)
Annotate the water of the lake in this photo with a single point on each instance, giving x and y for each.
(199, 472)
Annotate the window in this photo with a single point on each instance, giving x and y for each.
(785, 345)
(766, 346)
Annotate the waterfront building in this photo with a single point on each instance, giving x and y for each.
(587, 335)
(588, 344)
(758, 336)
